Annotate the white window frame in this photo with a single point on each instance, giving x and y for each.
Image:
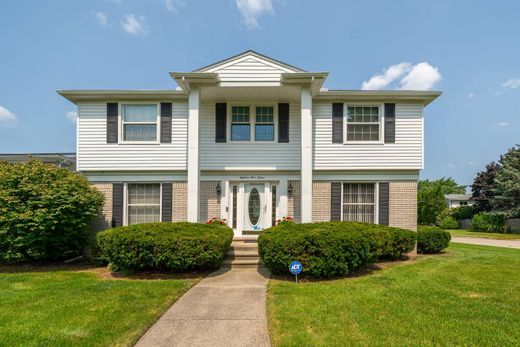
(376, 197)
(381, 123)
(252, 121)
(125, 199)
(122, 123)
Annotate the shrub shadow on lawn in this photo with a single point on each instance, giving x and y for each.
(365, 271)
(101, 272)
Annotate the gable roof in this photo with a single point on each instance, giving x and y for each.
(245, 55)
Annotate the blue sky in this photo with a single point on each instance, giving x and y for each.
(468, 49)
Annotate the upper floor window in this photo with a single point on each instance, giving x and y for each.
(139, 122)
(240, 123)
(363, 123)
(264, 124)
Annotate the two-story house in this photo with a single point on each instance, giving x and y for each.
(251, 139)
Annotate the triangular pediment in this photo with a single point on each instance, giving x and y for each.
(250, 67)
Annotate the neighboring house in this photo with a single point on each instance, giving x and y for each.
(251, 139)
(62, 160)
(456, 200)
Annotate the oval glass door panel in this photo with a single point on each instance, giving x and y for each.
(254, 206)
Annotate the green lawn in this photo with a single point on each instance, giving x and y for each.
(497, 236)
(469, 296)
(74, 307)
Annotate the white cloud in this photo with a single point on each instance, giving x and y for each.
(470, 95)
(101, 18)
(511, 83)
(7, 118)
(134, 25)
(500, 124)
(250, 10)
(406, 76)
(174, 5)
(423, 76)
(389, 75)
(72, 116)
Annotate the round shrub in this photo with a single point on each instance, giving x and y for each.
(489, 222)
(463, 212)
(448, 222)
(165, 246)
(44, 212)
(331, 249)
(432, 239)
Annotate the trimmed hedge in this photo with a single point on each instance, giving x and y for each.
(432, 239)
(331, 249)
(165, 246)
(448, 222)
(489, 222)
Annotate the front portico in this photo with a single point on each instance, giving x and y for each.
(251, 201)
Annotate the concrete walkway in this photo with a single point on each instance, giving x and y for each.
(227, 308)
(487, 242)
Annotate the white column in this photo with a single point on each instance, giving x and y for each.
(306, 152)
(193, 156)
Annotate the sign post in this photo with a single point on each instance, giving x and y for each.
(295, 268)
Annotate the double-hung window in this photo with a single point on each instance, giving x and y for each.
(240, 123)
(144, 203)
(264, 124)
(359, 202)
(363, 124)
(139, 122)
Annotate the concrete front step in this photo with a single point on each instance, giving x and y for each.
(244, 252)
(246, 238)
(241, 262)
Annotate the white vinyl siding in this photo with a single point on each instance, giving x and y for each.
(248, 155)
(250, 69)
(95, 154)
(405, 154)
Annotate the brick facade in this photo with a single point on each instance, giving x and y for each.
(294, 201)
(180, 201)
(321, 201)
(209, 201)
(403, 204)
(103, 221)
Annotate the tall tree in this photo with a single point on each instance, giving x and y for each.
(507, 193)
(483, 187)
(430, 198)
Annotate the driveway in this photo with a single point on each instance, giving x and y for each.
(225, 309)
(487, 242)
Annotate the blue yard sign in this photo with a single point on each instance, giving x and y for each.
(295, 268)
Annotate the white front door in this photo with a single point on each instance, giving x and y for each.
(255, 208)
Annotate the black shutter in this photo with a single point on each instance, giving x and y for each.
(220, 122)
(384, 203)
(166, 202)
(335, 201)
(117, 204)
(112, 110)
(389, 123)
(337, 123)
(166, 122)
(283, 123)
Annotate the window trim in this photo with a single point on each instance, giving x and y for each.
(125, 199)
(376, 197)
(122, 123)
(381, 108)
(252, 120)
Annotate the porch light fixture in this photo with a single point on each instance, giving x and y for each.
(289, 189)
(218, 189)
